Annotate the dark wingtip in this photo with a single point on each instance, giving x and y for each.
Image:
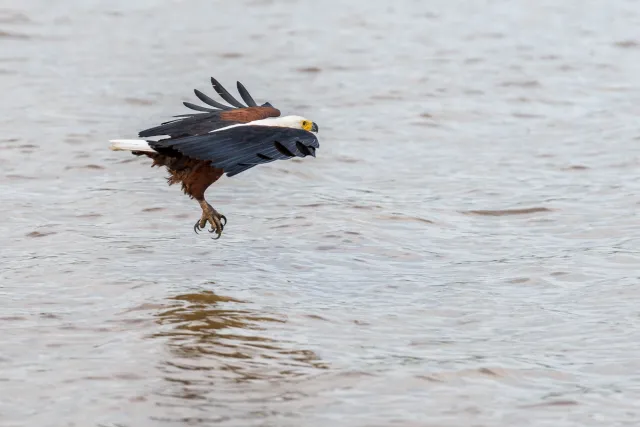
(207, 100)
(303, 149)
(224, 94)
(244, 93)
(198, 108)
(283, 150)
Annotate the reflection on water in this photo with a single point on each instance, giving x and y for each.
(211, 334)
(220, 356)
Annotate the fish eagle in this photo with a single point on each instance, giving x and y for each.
(198, 148)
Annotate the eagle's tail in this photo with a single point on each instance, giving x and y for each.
(131, 145)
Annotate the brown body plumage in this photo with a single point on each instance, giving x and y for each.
(194, 175)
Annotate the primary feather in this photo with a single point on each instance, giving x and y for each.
(244, 93)
(224, 94)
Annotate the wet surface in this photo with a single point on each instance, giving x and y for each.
(461, 252)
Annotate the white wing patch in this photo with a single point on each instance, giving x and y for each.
(293, 122)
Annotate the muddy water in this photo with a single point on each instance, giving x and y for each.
(462, 252)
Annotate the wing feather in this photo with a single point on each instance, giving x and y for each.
(194, 124)
(240, 148)
(204, 98)
(224, 94)
(244, 93)
(197, 107)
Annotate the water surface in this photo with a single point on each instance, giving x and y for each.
(463, 251)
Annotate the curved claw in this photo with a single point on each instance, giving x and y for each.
(216, 225)
(196, 227)
(225, 220)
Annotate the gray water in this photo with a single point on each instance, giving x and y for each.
(462, 252)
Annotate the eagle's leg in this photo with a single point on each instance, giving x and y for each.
(213, 217)
(196, 181)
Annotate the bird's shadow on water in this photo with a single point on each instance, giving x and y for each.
(220, 351)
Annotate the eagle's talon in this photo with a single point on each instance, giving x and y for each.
(211, 216)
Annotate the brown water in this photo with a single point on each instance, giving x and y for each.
(463, 251)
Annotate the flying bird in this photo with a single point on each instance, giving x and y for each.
(198, 148)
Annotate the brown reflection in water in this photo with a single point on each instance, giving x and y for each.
(212, 340)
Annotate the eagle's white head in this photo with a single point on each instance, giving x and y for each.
(294, 122)
(299, 122)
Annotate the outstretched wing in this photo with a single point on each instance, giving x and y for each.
(242, 147)
(216, 116)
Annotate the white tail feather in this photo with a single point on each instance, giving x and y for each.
(130, 145)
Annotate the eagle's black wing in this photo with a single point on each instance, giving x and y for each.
(219, 116)
(240, 148)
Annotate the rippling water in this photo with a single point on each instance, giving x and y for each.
(462, 252)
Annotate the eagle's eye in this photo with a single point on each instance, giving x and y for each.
(306, 125)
